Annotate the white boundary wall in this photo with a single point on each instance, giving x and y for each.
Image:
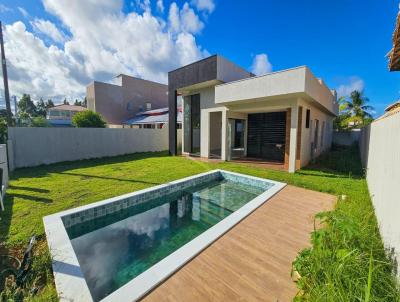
(29, 147)
(380, 154)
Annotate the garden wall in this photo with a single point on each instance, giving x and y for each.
(380, 155)
(346, 138)
(29, 147)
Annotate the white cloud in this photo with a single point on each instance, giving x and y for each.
(184, 20)
(102, 42)
(4, 9)
(49, 29)
(160, 6)
(261, 64)
(352, 83)
(23, 11)
(204, 5)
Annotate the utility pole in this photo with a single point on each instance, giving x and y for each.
(5, 78)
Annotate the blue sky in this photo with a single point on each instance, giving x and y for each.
(344, 42)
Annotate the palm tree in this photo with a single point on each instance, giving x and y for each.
(354, 110)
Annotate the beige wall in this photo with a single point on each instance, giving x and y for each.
(295, 82)
(31, 146)
(118, 103)
(379, 147)
(307, 135)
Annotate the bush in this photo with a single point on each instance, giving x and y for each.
(39, 121)
(88, 119)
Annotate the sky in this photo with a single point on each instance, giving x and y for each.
(55, 48)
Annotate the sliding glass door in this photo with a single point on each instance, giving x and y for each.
(192, 124)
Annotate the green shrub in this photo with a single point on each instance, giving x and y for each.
(88, 119)
(39, 121)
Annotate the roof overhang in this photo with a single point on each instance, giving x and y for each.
(292, 83)
(394, 54)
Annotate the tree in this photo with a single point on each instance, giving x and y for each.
(3, 130)
(66, 102)
(41, 108)
(3, 113)
(88, 119)
(26, 106)
(354, 111)
(78, 103)
(84, 103)
(49, 104)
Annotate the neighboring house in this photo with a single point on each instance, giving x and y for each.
(125, 98)
(391, 109)
(61, 115)
(153, 119)
(284, 117)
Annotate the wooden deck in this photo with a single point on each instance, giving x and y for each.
(253, 261)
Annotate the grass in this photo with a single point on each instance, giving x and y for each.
(346, 262)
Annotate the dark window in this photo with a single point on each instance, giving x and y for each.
(308, 118)
(239, 134)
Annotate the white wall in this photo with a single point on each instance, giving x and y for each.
(30, 147)
(380, 152)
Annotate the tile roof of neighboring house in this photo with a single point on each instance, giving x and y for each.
(157, 116)
(394, 54)
(67, 107)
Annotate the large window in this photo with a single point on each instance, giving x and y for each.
(308, 113)
(239, 134)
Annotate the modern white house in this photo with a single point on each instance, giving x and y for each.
(284, 117)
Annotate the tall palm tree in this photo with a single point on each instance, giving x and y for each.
(355, 109)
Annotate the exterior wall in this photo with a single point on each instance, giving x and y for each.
(379, 147)
(117, 103)
(30, 147)
(317, 90)
(228, 71)
(346, 138)
(307, 136)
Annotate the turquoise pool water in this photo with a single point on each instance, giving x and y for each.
(114, 249)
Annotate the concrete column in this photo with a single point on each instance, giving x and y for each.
(172, 105)
(204, 133)
(293, 138)
(224, 136)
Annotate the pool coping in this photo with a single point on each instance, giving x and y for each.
(70, 282)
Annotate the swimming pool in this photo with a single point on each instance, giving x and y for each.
(124, 246)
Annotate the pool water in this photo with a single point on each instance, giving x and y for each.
(114, 249)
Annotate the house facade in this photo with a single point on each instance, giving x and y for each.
(124, 98)
(61, 115)
(283, 117)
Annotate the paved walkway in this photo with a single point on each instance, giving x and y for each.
(253, 261)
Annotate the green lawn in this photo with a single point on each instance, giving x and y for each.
(336, 269)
